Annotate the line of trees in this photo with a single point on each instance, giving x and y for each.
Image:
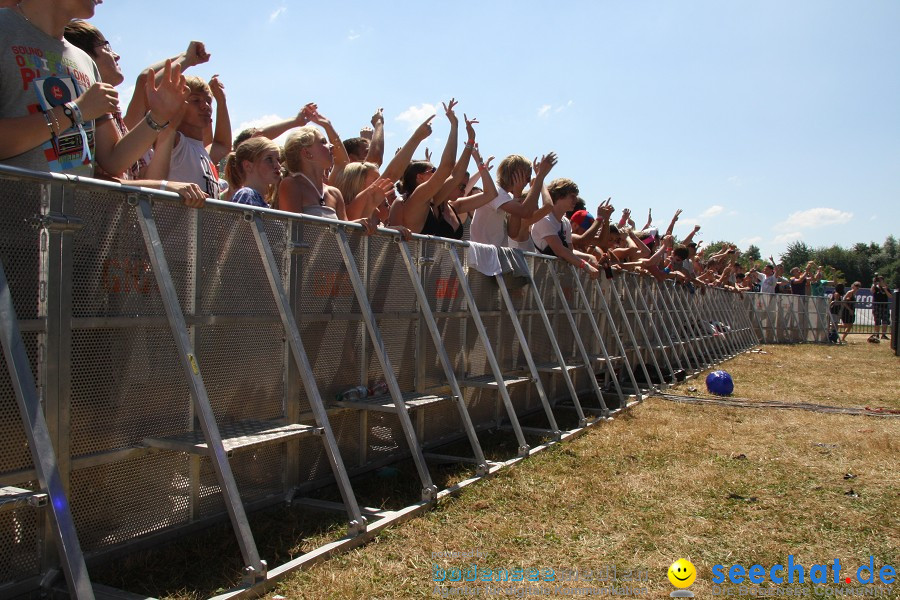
(859, 263)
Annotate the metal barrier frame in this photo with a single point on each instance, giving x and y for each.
(571, 322)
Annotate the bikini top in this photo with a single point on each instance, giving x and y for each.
(438, 226)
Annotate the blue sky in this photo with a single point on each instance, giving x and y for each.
(766, 121)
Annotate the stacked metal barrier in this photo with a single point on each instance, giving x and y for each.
(188, 364)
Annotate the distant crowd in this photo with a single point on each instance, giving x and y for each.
(59, 111)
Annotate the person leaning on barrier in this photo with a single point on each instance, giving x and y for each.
(881, 309)
(553, 234)
(308, 156)
(253, 171)
(55, 114)
(146, 173)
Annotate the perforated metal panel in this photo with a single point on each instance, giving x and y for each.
(231, 278)
(127, 384)
(115, 503)
(14, 451)
(442, 421)
(243, 370)
(19, 242)
(19, 544)
(258, 474)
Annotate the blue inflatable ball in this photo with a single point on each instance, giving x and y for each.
(719, 383)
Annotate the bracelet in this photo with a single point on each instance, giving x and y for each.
(153, 124)
(163, 184)
(470, 143)
(53, 137)
(55, 120)
(72, 111)
(469, 146)
(482, 167)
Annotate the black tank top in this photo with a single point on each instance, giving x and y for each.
(437, 225)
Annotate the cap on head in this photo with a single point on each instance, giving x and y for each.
(582, 218)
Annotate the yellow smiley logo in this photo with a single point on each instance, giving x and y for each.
(682, 573)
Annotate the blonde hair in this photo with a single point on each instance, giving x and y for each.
(252, 150)
(197, 85)
(352, 178)
(562, 187)
(509, 166)
(304, 137)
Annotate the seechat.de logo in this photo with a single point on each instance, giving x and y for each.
(682, 574)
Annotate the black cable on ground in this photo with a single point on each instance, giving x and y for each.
(747, 403)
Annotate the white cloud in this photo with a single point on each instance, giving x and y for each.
(812, 218)
(262, 122)
(353, 35)
(544, 110)
(750, 240)
(787, 237)
(415, 115)
(277, 14)
(712, 211)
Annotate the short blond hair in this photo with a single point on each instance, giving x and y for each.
(197, 85)
(562, 187)
(509, 166)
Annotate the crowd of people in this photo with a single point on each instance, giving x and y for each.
(59, 111)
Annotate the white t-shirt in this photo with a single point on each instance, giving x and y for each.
(191, 163)
(767, 284)
(526, 246)
(550, 226)
(489, 222)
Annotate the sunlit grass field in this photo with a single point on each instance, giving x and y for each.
(713, 484)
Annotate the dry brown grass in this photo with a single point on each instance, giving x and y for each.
(654, 486)
(714, 484)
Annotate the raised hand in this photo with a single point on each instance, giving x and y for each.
(519, 179)
(378, 117)
(469, 129)
(366, 133)
(99, 99)
(548, 161)
(696, 228)
(649, 216)
(303, 116)
(316, 117)
(378, 190)
(195, 54)
(217, 88)
(626, 213)
(427, 155)
(166, 100)
(605, 210)
(448, 110)
(677, 214)
(423, 130)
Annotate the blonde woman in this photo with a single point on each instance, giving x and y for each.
(254, 169)
(308, 156)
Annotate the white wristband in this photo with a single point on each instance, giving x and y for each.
(163, 184)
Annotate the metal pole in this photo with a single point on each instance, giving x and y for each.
(255, 568)
(41, 446)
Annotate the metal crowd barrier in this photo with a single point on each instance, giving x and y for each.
(169, 367)
(789, 319)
